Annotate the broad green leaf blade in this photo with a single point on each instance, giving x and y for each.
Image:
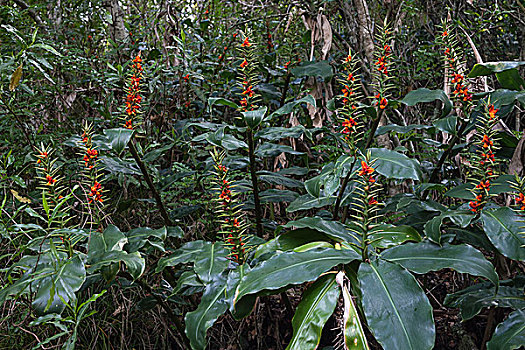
(387, 236)
(211, 261)
(140, 236)
(402, 129)
(279, 179)
(395, 165)
(254, 118)
(333, 229)
(278, 196)
(306, 202)
(289, 241)
(396, 308)
(317, 305)
(510, 334)
(277, 133)
(118, 138)
(354, 336)
(425, 95)
(425, 256)
(511, 79)
(314, 69)
(189, 252)
(105, 249)
(220, 101)
(290, 268)
(472, 299)
(213, 304)
(268, 149)
(288, 108)
(448, 124)
(488, 68)
(505, 231)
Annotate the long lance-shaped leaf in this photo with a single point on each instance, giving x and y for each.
(353, 333)
(424, 257)
(510, 334)
(396, 308)
(213, 304)
(211, 261)
(504, 230)
(189, 252)
(291, 268)
(317, 305)
(395, 165)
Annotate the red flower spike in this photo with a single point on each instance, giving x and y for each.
(365, 169)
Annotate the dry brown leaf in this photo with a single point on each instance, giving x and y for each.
(15, 78)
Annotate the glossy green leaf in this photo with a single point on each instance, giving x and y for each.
(333, 229)
(425, 95)
(313, 245)
(353, 333)
(118, 138)
(461, 218)
(314, 69)
(288, 108)
(211, 261)
(220, 101)
(277, 133)
(255, 117)
(317, 305)
(106, 248)
(289, 241)
(447, 124)
(115, 166)
(402, 129)
(396, 308)
(511, 79)
(213, 304)
(140, 236)
(387, 236)
(472, 299)
(425, 256)
(489, 68)
(189, 252)
(394, 165)
(510, 334)
(501, 184)
(278, 179)
(278, 196)
(273, 150)
(306, 202)
(505, 231)
(290, 268)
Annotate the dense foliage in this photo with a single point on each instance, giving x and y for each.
(231, 175)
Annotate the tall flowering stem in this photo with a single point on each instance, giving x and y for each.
(382, 73)
(248, 102)
(233, 225)
(133, 98)
(91, 175)
(483, 162)
(367, 204)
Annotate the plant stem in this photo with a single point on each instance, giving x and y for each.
(374, 128)
(342, 190)
(151, 186)
(256, 200)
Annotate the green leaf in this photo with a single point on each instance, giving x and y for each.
(474, 298)
(447, 124)
(288, 108)
(425, 95)
(278, 179)
(289, 241)
(211, 261)
(387, 236)
(511, 79)
(290, 268)
(117, 165)
(510, 334)
(425, 256)
(333, 229)
(499, 185)
(402, 129)
(118, 138)
(105, 249)
(277, 133)
(460, 218)
(317, 305)
(140, 236)
(354, 336)
(314, 69)
(505, 231)
(189, 252)
(395, 165)
(306, 202)
(220, 101)
(254, 118)
(396, 308)
(273, 150)
(278, 196)
(213, 304)
(488, 68)
(48, 48)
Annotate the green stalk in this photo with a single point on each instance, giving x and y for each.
(255, 185)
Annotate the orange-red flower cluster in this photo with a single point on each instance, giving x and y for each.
(246, 43)
(40, 156)
(248, 90)
(382, 61)
(90, 158)
(381, 101)
(133, 98)
(476, 204)
(492, 112)
(244, 64)
(95, 193)
(366, 171)
(50, 180)
(225, 195)
(349, 125)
